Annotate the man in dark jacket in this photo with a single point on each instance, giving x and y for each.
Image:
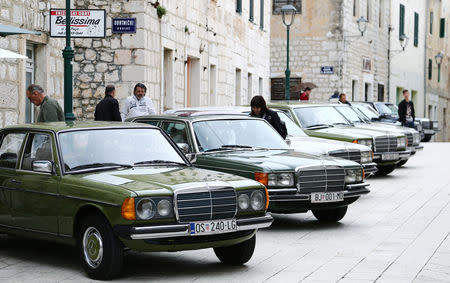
(406, 111)
(259, 109)
(108, 108)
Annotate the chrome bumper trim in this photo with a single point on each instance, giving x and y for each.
(352, 190)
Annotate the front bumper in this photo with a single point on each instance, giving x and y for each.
(370, 168)
(429, 132)
(402, 155)
(289, 200)
(181, 230)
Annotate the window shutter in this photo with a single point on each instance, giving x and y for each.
(431, 22)
(261, 16)
(442, 28)
(401, 30)
(239, 6)
(430, 69)
(416, 29)
(251, 17)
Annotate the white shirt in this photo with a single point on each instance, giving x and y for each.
(134, 107)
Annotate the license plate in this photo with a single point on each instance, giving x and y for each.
(212, 227)
(389, 156)
(327, 197)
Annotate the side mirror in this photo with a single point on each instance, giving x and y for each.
(288, 141)
(184, 147)
(43, 166)
(192, 157)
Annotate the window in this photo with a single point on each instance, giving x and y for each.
(368, 10)
(10, 149)
(416, 29)
(29, 79)
(249, 87)
(354, 89)
(277, 4)
(237, 85)
(239, 6)
(38, 147)
(261, 14)
(431, 22)
(430, 69)
(355, 8)
(380, 13)
(380, 92)
(150, 122)
(442, 28)
(251, 17)
(401, 30)
(176, 130)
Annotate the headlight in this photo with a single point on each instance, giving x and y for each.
(257, 200)
(401, 142)
(353, 175)
(145, 208)
(416, 138)
(364, 142)
(366, 156)
(281, 180)
(244, 201)
(164, 207)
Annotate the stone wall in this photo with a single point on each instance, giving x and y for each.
(32, 15)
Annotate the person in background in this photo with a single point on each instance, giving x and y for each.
(137, 104)
(108, 108)
(50, 110)
(343, 99)
(406, 112)
(259, 109)
(305, 94)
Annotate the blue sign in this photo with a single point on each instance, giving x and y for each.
(124, 25)
(327, 70)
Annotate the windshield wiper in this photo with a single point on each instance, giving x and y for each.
(319, 126)
(340, 123)
(231, 147)
(235, 146)
(159, 162)
(99, 165)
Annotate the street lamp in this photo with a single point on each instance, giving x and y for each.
(288, 15)
(362, 25)
(404, 41)
(439, 57)
(68, 55)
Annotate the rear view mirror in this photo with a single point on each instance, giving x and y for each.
(43, 166)
(192, 157)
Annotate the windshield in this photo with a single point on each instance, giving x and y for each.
(393, 108)
(367, 111)
(229, 134)
(349, 114)
(292, 128)
(88, 149)
(310, 117)
(383, 109)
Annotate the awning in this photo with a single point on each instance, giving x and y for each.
(11, 30)
(11, 55)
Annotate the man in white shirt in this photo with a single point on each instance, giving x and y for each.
(137, 104)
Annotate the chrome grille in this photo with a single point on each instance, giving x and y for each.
(385, 144)
(353, 155)
(427, 124)
(206, 204)
(409, 136)
(321, 179)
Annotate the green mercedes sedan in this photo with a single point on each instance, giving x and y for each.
(250, 147)
(107, 187)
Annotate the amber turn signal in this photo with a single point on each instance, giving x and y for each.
(355, 141)
(128, 210)
(263, 178)
(267, 198)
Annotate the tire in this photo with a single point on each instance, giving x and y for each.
(237, 254)
(330, 215)
(426, 138)
(401, 163)
(100, 250)
(385, 170)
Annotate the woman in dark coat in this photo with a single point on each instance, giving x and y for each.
(260, 110)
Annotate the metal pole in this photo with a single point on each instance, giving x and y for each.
(68, 55)
(287, 85)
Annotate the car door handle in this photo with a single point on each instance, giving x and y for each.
(17, 182)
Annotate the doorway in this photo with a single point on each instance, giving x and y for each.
(168, 80)
(29, 79)
(193, 82)
(238, 87)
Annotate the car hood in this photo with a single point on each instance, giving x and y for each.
(164, 180)
(269, 160)
(345, 132)
(385, 127)
(318, 146)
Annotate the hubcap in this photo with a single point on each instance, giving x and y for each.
(92, 247)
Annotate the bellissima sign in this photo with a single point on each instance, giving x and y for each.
(83, 23)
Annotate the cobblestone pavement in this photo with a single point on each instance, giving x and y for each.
(397, 233)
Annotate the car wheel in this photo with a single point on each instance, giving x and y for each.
(426, 139)
(401, 163)
(385, 170)
(101, 251)
(237, 254)
(330, 215)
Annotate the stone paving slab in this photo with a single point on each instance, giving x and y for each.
(400, 232)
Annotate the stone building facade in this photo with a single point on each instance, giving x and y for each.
(325, 34)
(44, 65)
(205, 52)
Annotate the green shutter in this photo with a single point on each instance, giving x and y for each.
(439, 73)
(251, 17)
(261, 16)
(401, 30)
(430, 69)
(416, 29)
(442, 28)
(239, 6)
(431, 22)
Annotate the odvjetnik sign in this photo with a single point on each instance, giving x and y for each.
(83, 23)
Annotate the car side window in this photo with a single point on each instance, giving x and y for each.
(37, 148)
(149, 122)
(10, 149)
(176, 130)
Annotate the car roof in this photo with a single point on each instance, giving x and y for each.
(63, 126)
(198, 116)
(300, 105)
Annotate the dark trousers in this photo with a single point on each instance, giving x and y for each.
(409, 124)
